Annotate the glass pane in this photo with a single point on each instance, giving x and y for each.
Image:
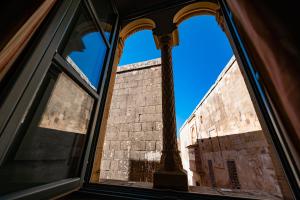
(105, 15)
(53, 143)
(85, 49)
(69, 108)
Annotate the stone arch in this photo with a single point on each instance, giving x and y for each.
(135, 26)
(199, 8)
(129, 29)
(126, 31)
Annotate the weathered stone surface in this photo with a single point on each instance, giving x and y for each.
(133, 141)
(150, 146)
(153, 135)
(71, 113)
(138, 145)
(115, 145)
(105, 164)
(114, 165)
(224, 128)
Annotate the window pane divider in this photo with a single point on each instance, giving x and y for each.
(93, 14)
(68, 69)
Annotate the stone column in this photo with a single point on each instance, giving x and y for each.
(170, 174)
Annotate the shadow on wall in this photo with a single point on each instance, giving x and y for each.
(142, 170)
(237, 161)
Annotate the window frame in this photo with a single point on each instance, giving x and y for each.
(29, 82)
(263, 101)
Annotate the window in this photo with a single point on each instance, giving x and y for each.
(50, 143)
(211, 174)
(85, 49)
(233, 175)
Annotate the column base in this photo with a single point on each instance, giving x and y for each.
(175, 180)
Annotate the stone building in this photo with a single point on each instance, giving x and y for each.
(33, 36)
(133, 140)
(222, 143)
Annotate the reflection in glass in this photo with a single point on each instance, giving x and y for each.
(64, 115)
(85, 49)
(105, 15)
(51, 146)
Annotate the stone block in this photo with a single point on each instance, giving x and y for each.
(115, 145)
(124, 127)
(131, 118)
(157, 117)
(125, 145)
(150, 146)
(137, 127)
(158, 146)
(134, 155)
(157, 100)
(148, 126)
(105, 164)
(153, 156)
(149, 109)
(124, 165)
(119, 155)
(146, 117)
(158, 108)
(134, 136)
(153, 135)
(138, 145)
(111, 135)
(158, 126)
(123, 135)
(104, 174)
(112, 129)
(114, 165)
(132, 84)
(109, 154)
(140, 100)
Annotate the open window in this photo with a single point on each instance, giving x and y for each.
(48, 135)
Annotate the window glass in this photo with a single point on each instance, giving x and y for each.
(69, 108)
(105, 15)
(52, 144)
(85, 49)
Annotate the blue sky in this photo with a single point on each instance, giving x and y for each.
(90, 58)
(202, 53)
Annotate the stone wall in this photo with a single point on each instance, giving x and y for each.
(224, 128)
(133, 140)
(248, 151)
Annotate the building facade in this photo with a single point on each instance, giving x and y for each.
(133, 141)
(222, 143)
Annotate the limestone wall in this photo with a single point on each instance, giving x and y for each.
(225, 128)
(133, 140)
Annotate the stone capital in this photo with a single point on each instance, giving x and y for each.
(171, 39)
